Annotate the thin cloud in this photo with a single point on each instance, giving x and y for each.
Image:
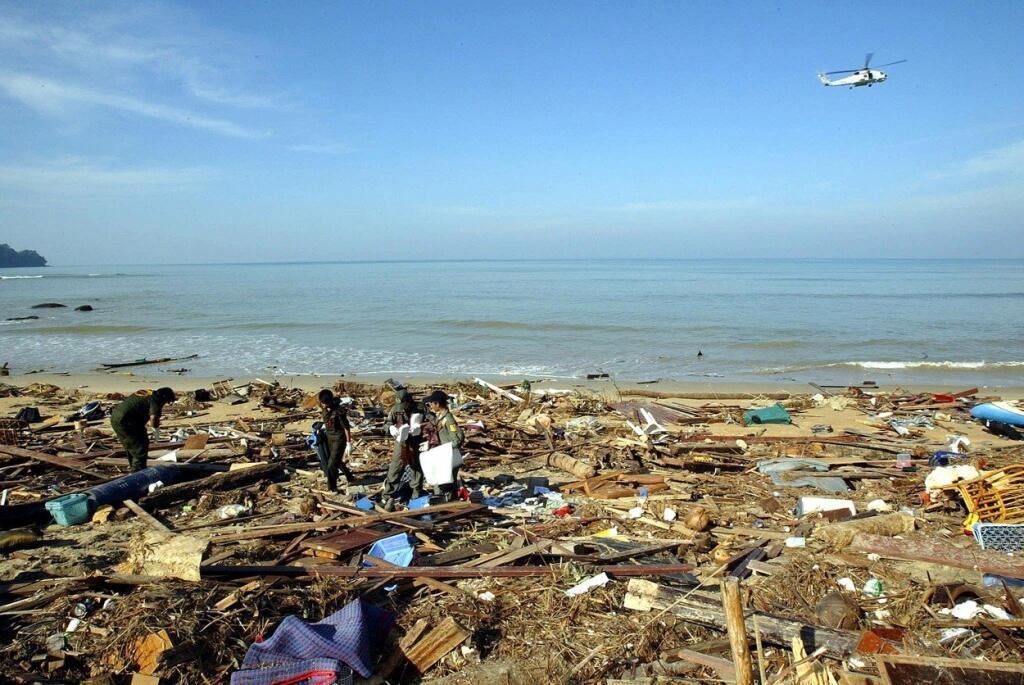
(1008, 159)
(170, 56)
(54, 97)
(71, 175)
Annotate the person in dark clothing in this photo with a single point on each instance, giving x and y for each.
(441, 427)
(403, 422)
(129, 419)
(339, 435)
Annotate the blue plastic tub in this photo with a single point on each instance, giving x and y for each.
(69, 510)
(395, 550)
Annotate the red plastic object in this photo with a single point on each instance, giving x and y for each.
(564, 510)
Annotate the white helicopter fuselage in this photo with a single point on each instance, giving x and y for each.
(864, 77)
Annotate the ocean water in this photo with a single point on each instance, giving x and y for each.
(958, 322)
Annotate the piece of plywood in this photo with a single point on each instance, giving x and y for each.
(433, 646)
(339, 543)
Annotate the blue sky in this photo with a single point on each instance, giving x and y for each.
(244, 131)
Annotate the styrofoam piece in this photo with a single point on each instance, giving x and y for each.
(811, 505)
(588, 585)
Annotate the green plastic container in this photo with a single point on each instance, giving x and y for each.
(69, 510)
(773, 414)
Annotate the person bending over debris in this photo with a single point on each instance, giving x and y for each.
(129, 418)
(339, 437)
(444, 428)
(403, 422)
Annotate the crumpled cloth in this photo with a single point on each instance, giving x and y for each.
(306, 672)
(348, 635)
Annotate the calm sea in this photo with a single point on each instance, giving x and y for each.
(957, 322)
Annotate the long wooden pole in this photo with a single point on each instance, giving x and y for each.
(733, 606)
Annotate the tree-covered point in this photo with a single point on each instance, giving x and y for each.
(9, 257)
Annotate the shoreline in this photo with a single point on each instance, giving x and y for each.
(127, 381)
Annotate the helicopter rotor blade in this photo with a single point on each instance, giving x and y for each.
(844, 71)
(867, 59)
(889, 64)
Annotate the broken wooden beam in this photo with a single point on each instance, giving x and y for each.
(436, 572)
(644, 595)
(732, 605)
(219, 481)
(910, 670)
(464, 508)
(63, 462)
(150, 520)
(940, 552)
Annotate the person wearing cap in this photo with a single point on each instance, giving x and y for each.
(403, 423)
(129, 419)
(339, 435)
(443, 428)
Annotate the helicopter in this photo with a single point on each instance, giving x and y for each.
(865, 76)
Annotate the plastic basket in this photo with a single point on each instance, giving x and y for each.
(1006, 537)
(395, 550)
(69, 510)
(998, 496)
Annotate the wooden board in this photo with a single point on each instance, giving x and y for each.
(911, 670)
(338, 543)
(12, 451)
(433, 646)
(150, 520)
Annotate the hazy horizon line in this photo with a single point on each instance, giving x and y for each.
(543, 259)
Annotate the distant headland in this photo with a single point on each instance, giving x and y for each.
(9, 257)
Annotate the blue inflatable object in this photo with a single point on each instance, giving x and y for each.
(1004, 412)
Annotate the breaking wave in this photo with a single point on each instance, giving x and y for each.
(895, 365)
(492, 324)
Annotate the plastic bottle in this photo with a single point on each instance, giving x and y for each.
(84, 608)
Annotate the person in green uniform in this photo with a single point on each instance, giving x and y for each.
(129, 419)
(403, 422)
(339, 436)
(444, 428)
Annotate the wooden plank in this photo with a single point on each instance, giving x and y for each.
(150, 520)
(750, 532)
(439, 572)
(12, 451)
(352, 522)
(452, 556)
(433, 646)
(509, 557)
(940, 552)
(346, 541)
(723, 667)
(643, 595)
(433, 584)
(911, 670)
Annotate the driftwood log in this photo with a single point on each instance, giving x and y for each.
(219, 481)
